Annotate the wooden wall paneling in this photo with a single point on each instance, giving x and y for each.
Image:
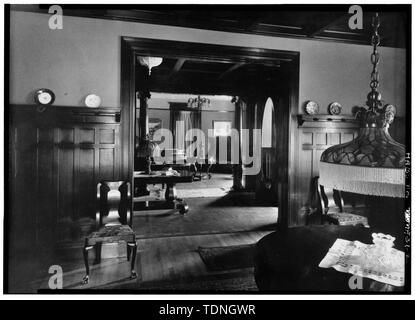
(46, 207)
(86, 181)
(57, 158)
(106, 156)
(22, 210)
(108, 141)
(66, 172)
(315, 136)
(86, 160)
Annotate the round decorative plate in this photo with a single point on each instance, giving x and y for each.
(311, 107)
(44, 97)
(335, 108)
(92, 101)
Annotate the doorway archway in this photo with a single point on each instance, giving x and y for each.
(266, 180)
(267, 124)
(268, 141)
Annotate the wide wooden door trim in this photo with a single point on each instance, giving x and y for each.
(131, 47)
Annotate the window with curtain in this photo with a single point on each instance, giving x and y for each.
(190, 118)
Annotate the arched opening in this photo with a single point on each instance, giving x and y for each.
(268, 154)
(267, 121)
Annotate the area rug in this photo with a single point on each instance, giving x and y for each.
(207, 216)
(241, 281)
(201, 193)
(235, 283)
(227, 258)
(158, 194)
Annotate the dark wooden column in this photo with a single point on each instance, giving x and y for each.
(250, 180)
(143, 95)
(237, 168)
(141, 162)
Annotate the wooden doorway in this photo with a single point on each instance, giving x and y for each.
(287, 90)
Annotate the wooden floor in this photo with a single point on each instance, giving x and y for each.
(160, 259)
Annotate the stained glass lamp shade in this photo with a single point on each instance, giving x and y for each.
(371, 164)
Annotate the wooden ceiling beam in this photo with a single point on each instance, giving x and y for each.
(249, 21)
(177, 67)
(230, 70)
(269, 21)
(315, 28)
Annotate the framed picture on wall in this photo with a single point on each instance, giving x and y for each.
(153, 125)
(222, 128)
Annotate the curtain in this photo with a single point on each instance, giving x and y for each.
(189, 120)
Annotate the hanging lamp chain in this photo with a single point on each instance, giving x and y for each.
(374, 95)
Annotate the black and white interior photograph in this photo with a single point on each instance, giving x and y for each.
(249, 149)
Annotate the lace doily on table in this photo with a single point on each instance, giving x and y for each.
(380, 263)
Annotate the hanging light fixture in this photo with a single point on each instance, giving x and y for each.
(198, 102)
(150, 62)
(372, 163)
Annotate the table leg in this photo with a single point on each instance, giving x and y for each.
(208, 170)
(171, 192)
(141, 189)
(182, 206)
(134, 253)
(128, 252)
(85, 280)
(171, 196)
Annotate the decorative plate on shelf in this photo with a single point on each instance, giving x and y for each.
(44, 97)
(335, 108)
(92, 101)
(311, 107)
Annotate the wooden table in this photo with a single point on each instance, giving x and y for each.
(171, 200)
(287, 261)
(189, 168)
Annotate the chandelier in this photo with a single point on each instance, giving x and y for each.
(150, 62)
(198, 103)
(372, 163)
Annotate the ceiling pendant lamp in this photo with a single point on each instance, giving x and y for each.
(373, 163)
(150, 62)
(198, 102)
